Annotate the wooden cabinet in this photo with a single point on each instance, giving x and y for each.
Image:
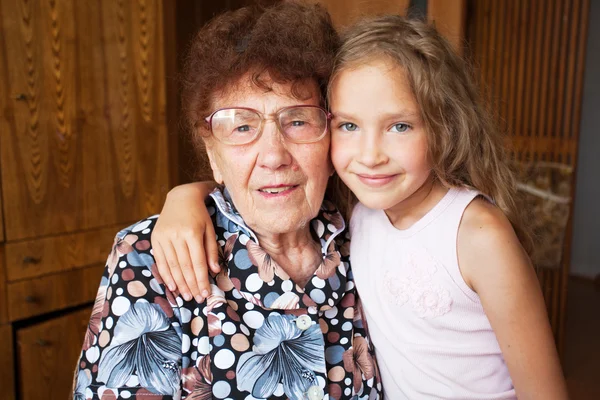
(83, 153)
(48, 347)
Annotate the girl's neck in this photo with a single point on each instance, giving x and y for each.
(406, 213)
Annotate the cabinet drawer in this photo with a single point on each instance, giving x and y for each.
(54, 292)
(47, 355)
(31, 258)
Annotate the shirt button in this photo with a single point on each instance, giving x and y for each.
(315, 393)
(303, 322)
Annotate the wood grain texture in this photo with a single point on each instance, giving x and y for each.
(345, 12)
(537, 94)
(3, 294)
(7, 375)
(51, 349)
(449, 20)
(37, 296)
(38, 257)
(86, 115)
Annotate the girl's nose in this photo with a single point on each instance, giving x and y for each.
(371, 153)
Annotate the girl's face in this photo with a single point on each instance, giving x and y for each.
(379, 144)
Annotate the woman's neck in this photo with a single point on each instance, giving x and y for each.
(296, 253)
(406, 213)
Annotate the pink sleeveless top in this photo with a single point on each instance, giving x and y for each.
(431, 335)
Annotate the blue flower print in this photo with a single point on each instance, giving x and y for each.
(282, 353)
(143, 344)
(82, 381)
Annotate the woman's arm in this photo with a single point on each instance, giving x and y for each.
(496, 267)
(132, 346)
(184, 241)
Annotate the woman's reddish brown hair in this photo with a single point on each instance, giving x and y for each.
(290, 42)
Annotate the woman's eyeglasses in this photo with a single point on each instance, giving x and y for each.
(298, 124)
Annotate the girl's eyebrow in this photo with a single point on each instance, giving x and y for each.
(394, 115)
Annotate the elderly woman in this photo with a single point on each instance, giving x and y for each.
(283, 319)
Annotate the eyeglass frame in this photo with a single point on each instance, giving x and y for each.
(328, 117)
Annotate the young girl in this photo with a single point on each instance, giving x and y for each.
(452, 302)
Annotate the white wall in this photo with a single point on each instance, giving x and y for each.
(585, 257)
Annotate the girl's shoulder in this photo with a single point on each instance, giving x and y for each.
(486, 242)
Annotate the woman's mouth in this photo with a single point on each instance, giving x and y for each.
(277, 191)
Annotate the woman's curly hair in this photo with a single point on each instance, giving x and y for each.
(290, 42)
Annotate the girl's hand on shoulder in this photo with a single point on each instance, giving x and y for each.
(184, 241)
(494, 264)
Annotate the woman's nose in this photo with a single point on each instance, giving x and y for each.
(273, 151)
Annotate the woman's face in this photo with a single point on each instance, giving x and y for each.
(277, 186)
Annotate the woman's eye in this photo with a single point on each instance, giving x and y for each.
(298, 123)
(348, 126)
(400, 128)
(243, 128)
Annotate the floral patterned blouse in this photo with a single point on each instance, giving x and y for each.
(257, 336)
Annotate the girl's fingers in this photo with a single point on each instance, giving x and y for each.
(162, 266)
(211, 248)
(187, 269)
(176, 273)
(200, 268)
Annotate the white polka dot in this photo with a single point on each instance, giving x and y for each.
(224, 359)
(347, 381)
(156, 287)
(347, 326)
(334, 295)
(244, 330)
(349, 285)
(119, 291)
(334, 321)
(319, 227)
(343, 340)
(243, 239)
(185, 343)
(179, 301)
(120, 306)
(249, 306)
(125, 394)
(122, 264)
(115, 278)
(146, 231)
(272, 283)
(331, 228)
(92, 354)
(147, 273)
(194, 355)
(141, 226)
(236, 294)
(221, 389)
(279, 390)
(347, 392)
(203, 345)
(321, 381)
(228, 328)
(331, 302)
(254, 319)
(109, 322)
(254, 283)
(186, 315)
(318, 282)
(331, 313)
(287, 286)
(133, 381)
(221, 316)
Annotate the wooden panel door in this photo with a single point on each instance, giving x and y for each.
(47, 356)
(83, 131)
(7, 373)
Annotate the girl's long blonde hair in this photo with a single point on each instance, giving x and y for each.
(466, 148)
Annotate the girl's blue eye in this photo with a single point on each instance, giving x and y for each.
(400, 127)
(349, 127)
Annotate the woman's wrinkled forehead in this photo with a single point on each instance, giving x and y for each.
(251, 88)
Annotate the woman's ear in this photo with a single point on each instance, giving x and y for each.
(218, 177)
